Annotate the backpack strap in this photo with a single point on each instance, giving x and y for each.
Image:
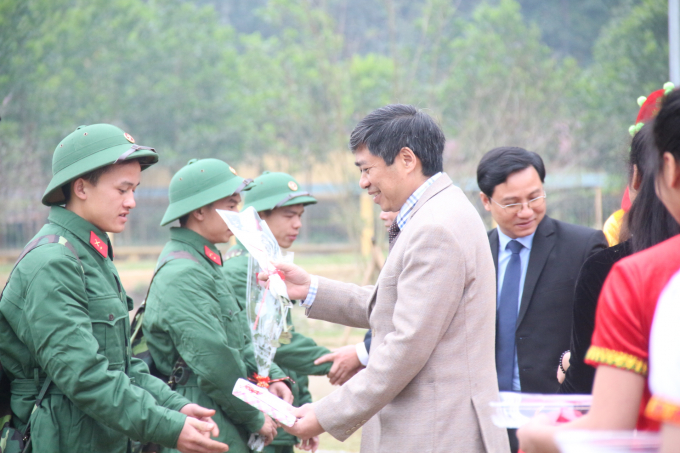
(136, 325)
(26, 435)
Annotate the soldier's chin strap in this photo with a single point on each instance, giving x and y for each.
(243, 185)
(290, 196)
(133, 148)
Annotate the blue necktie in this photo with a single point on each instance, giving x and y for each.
(506, 318)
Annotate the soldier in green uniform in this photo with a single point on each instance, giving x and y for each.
(64, 323)
(192, 315)
(280, 202)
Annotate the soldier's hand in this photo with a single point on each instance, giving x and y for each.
(311, 444)
(203, 414)
(296, 278)
(193, 438)
(281, 390)
(345, 364)
(268, 430)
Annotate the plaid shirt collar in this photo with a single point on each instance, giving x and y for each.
(405, 211)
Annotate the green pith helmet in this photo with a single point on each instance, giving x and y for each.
(274, 190)
(199, 183)
(89, 148)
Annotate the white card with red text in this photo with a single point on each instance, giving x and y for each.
(261, 399)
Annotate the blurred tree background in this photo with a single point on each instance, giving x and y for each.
(242, 79)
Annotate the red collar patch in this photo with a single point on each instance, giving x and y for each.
(212, 256)
(99, 245)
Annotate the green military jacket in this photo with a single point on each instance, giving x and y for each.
(71, 322)
(297, 357)
(192, 313)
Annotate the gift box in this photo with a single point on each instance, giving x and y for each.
(515, 409)
(264, 401)
(579, 441)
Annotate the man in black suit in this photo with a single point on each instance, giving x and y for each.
(537, 262)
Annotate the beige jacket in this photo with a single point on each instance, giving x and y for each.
(431, 372)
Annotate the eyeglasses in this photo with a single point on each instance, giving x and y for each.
(514, 208)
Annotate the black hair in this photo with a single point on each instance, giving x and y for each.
(185, 218)
(387, 130)
(639, 154)
(667, 127)
(649, 222)
(91, 177)
(499, 163)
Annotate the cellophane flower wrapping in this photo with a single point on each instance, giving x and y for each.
(266, 305)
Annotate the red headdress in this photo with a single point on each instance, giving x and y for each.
(649, 107)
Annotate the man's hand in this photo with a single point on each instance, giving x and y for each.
(281, 390)
(297, 280)
(203, 414)
(345, 364)
(195, 438)
(306, 426)
(311, 444)
(268, 430)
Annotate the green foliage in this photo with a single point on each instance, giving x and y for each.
(293, 79)
(570, 27)
(505, 88)
(173, 74)
(631, 60)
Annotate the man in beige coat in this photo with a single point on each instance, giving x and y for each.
(431, 373)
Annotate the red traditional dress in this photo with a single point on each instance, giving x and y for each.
(625, 312)
(664, 357)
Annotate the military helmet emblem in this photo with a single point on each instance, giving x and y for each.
(129, 137)
(292, 186)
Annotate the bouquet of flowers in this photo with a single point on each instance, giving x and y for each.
(266, 305)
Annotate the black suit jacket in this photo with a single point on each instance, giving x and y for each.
(543, 329)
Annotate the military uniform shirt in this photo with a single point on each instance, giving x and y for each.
(72, 323)
(191, 312)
